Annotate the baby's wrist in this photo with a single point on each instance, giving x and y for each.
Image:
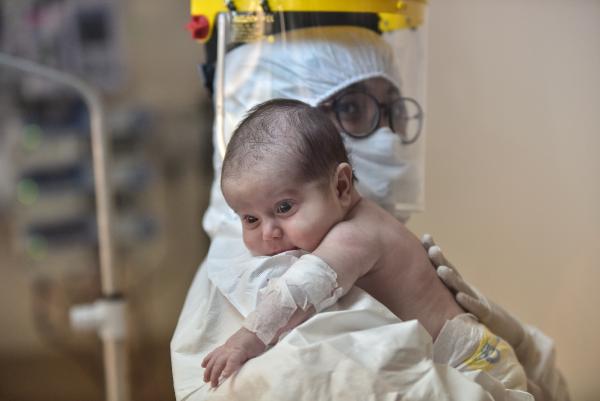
(252, 342)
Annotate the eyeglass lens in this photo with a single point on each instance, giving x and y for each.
(359, 115)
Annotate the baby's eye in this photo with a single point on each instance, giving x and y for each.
(249, 220)
(283, 207)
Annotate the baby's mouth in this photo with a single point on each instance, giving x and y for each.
(292, 248)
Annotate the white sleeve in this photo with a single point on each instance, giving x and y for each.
(537, 354)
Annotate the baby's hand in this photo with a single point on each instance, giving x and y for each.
(229, 357)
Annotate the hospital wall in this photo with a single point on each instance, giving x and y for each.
(513, 163)
(513, 191)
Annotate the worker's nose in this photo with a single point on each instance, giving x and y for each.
(384, 116)
(271, 231)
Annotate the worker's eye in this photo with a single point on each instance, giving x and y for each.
(249, 220)
(284, 207)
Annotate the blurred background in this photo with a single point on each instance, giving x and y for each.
(513, 177)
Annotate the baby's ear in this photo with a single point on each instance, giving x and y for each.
(343, 183)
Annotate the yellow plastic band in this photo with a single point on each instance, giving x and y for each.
(489, 352)
(394, 14)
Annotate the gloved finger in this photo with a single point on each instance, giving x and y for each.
(475, 306)
(427, 241)
(438, 258)
(454, 281)
(535, 391)
(216, 371)
(507, 326)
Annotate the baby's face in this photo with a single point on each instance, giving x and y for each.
(279, 214)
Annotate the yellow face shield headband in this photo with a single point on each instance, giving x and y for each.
(393, 14)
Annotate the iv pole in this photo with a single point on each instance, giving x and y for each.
(106, 315)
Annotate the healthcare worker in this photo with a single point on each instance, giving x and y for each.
(356, 349)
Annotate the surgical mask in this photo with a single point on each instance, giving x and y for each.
(385, 171)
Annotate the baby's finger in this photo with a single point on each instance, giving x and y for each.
(233, 364)
(209, 367)
(207, 358)
(216, 371)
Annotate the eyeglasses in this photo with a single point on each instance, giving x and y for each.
(360, 113)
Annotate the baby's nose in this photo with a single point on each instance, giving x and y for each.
(271, 231)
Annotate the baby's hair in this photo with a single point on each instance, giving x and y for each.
(288, 130)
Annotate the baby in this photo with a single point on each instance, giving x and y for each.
(287, 175)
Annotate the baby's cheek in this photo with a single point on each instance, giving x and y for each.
(252, 244)
(306, 235)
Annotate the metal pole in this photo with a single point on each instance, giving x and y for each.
(223, 27)
(115, 359)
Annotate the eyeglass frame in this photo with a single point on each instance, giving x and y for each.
(331, 105)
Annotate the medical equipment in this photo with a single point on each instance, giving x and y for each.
(8, 141)
(108, 314)
(85, 35)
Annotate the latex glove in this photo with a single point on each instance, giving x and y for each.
(493, 316)
(534, 350)
(229, 357)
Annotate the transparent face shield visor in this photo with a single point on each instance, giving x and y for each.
(369, 79)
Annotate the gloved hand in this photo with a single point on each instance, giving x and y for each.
(493, 316)
(534, 351)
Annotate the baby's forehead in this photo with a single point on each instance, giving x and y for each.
(265, 169)
(282, 156)
(259, 186)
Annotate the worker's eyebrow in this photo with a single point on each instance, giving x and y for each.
(393, 91)
(359, 86)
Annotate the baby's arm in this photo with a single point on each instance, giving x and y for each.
(230, 356)
(242, 346)
(309, 285)
(351, 251)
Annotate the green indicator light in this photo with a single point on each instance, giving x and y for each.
(27, 192)
(37, 248)
(32, 137)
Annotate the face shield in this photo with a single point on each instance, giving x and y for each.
(363, 65)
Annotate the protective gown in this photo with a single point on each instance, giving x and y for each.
(354, 350)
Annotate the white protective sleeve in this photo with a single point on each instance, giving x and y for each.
(538, 356)
(308, 282)
(469, 346)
